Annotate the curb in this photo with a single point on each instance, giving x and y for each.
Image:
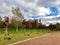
(29, 39)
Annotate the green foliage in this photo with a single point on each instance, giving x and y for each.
(21, 34)
(55, 26)
(2, 25)
(29, 24)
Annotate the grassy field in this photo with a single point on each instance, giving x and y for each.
(21, 34)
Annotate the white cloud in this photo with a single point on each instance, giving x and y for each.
(56, 2)
(5, 10)
(27, 4)
(41, 11)
(59, 10)
(21, 2)
(51, 19)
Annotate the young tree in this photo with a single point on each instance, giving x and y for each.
(6, 22)
(6, 34)
(19, 17)
(13, 22)
(0, 18)
(1, 22)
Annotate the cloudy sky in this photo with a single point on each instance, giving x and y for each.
(47, 10)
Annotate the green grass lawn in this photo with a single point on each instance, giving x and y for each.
(21, 34)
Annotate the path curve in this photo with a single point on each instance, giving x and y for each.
(52, 39)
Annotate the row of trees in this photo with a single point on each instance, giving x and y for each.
(24, 24)
(29, 24)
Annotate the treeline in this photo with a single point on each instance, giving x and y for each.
(29, 24)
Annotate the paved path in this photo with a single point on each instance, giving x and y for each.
(52, 39)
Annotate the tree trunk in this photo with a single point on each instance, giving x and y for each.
(6, 29)
(17, 27)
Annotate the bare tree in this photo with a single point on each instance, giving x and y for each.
(19, 17)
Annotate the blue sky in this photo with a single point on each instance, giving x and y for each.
(45, 9)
